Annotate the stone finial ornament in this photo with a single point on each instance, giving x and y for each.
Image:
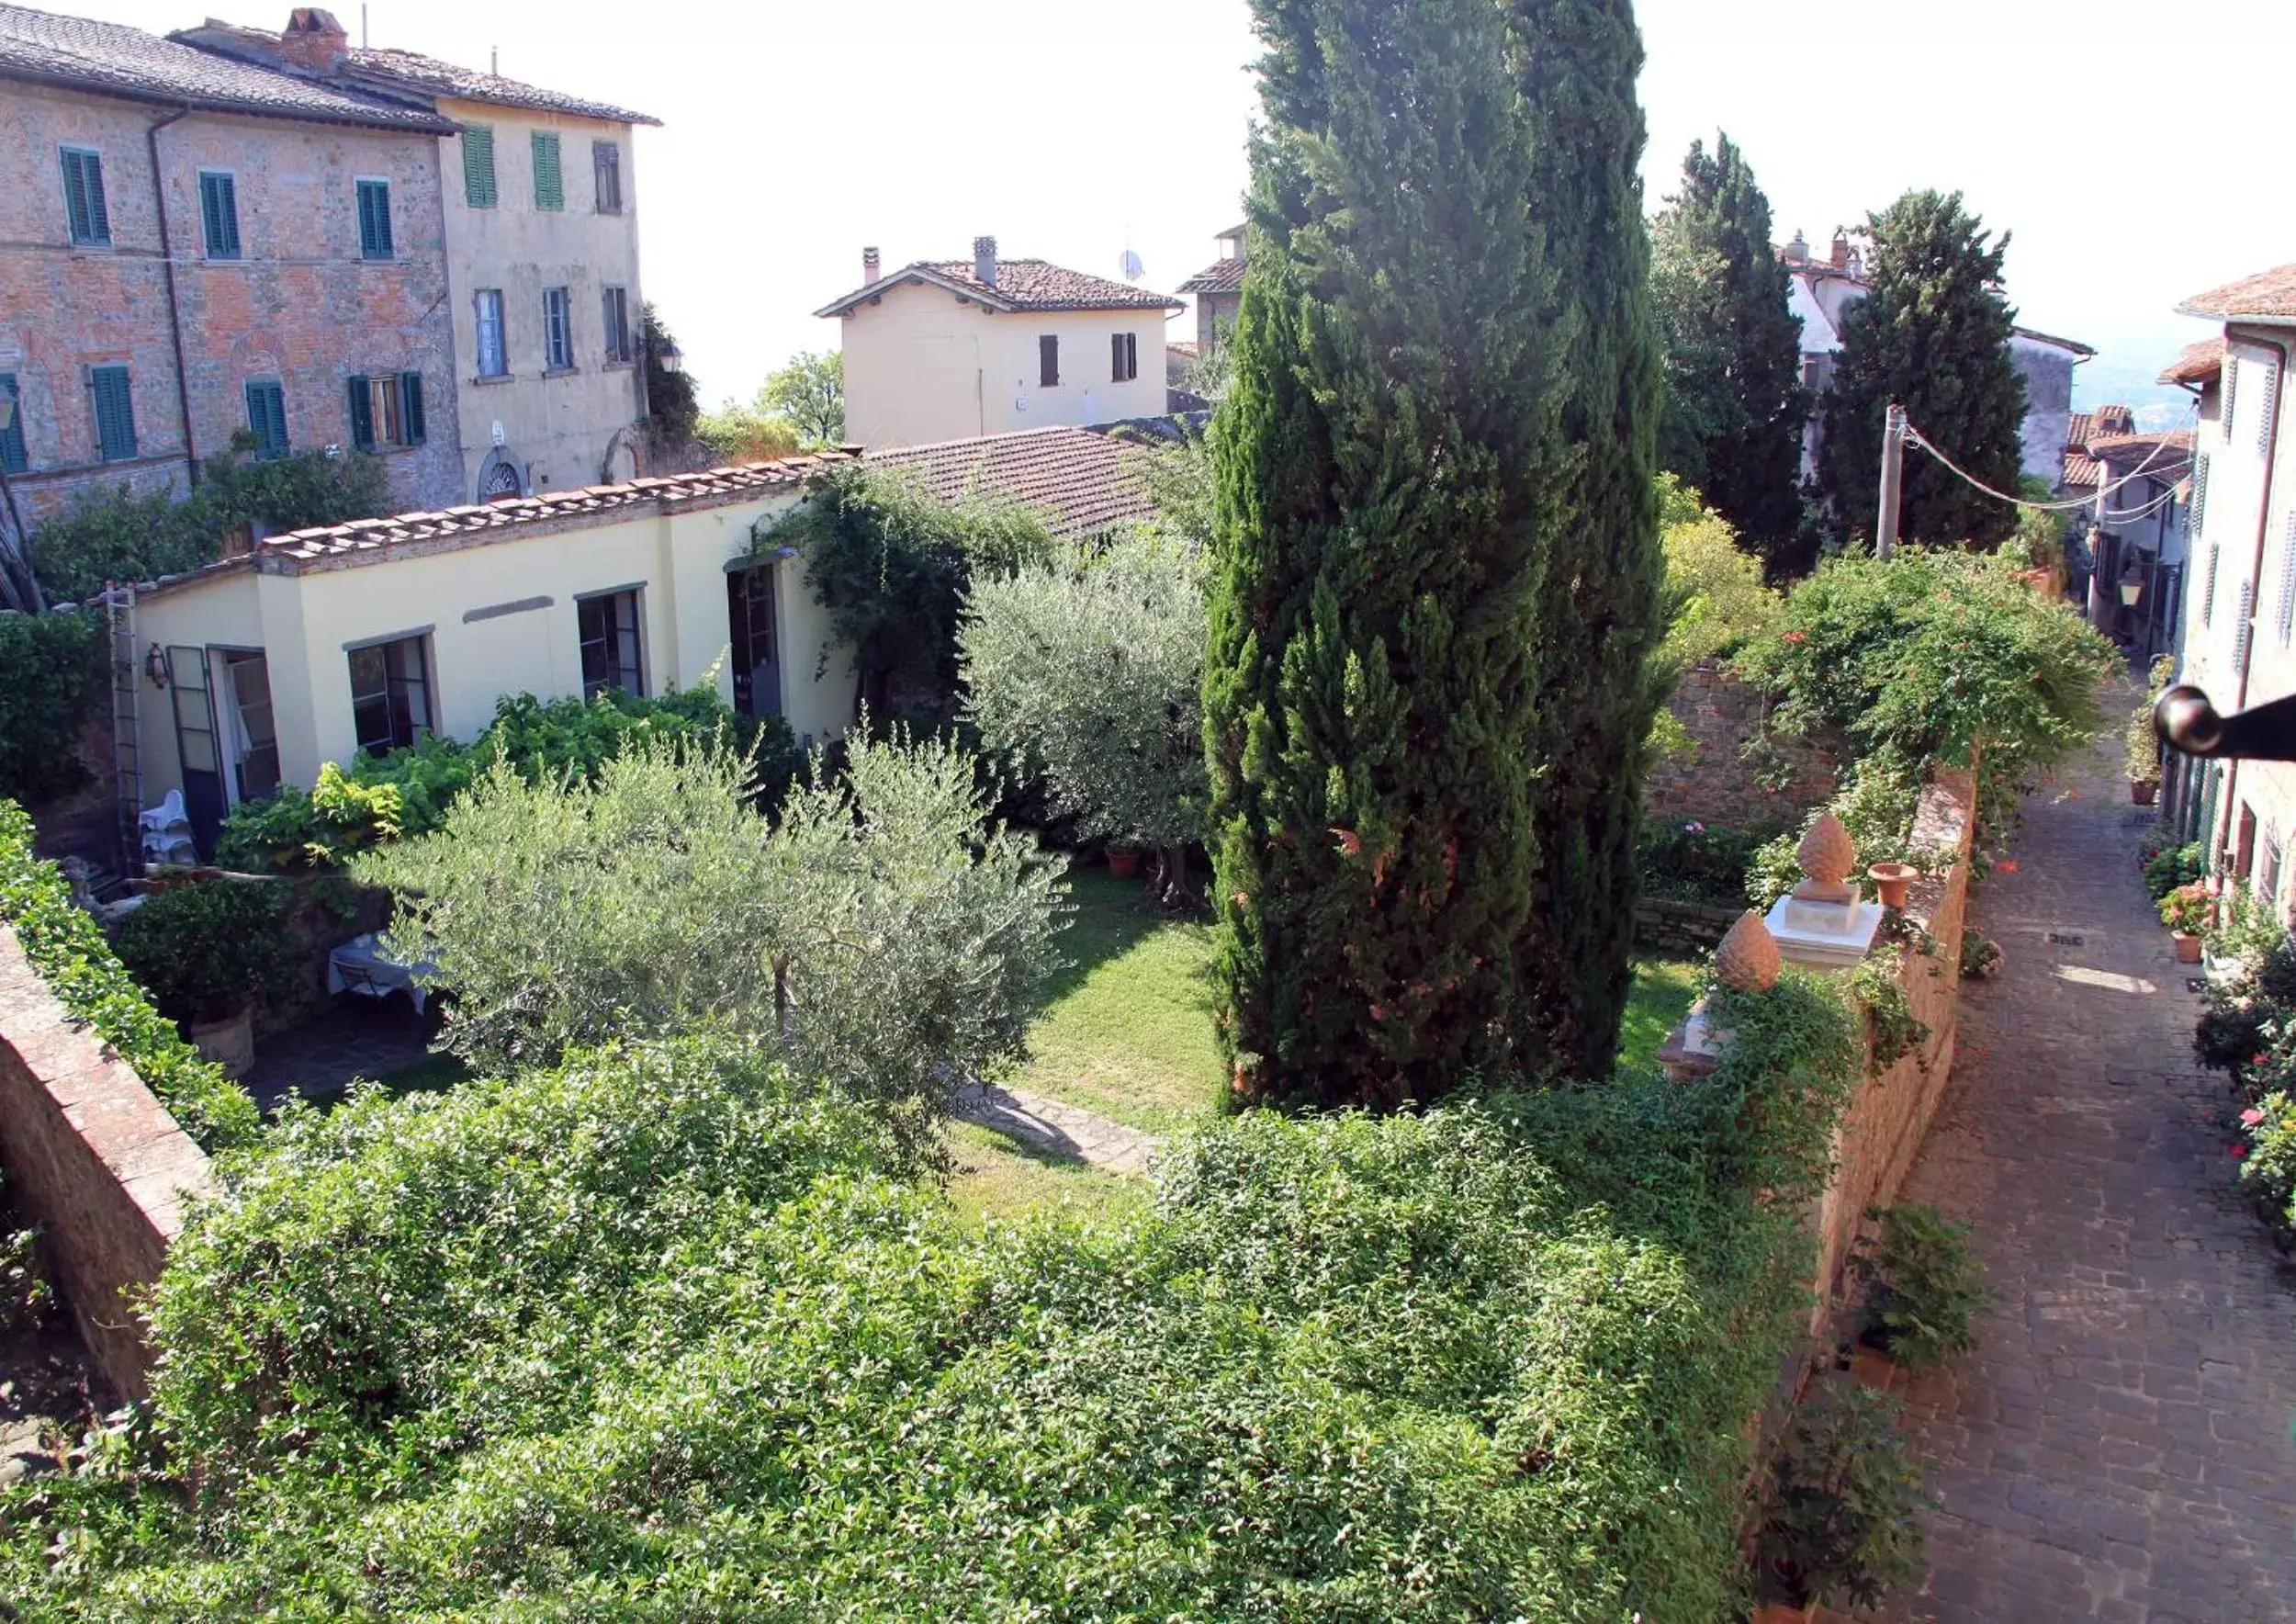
(1826, 858)
(1748, 959)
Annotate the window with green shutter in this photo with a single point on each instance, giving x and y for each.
(83, 197)
(605, 163)
(550, 185)
(374, 220)
(266, 416)
(115, 413)
(13, 453)
(477, 165)
(387, 410)
(219, 213)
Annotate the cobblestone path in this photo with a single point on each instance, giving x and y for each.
(2118, 1446)
(1063, 1130)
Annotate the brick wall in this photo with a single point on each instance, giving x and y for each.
(94, 1159)
(1715, 783)
(1882, 1129)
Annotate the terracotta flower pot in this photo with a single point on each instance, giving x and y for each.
(2143, 791)
(1893, 880)
(230, 1041)
(2187, 947)
(1123, 862)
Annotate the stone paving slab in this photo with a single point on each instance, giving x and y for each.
(2118, 1446)
(1059, 1129)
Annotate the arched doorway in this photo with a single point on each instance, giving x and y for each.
(500, 477)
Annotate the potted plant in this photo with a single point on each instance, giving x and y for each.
(2187, 912)
(1123, 862)
(1893, 881)
(2143, 760)
(1921, 1287)
(1840, 1518)
(208, 953)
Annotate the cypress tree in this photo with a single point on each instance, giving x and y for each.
(1735, 405)
(1383, 458)
(1601, 613)
(1933, 335)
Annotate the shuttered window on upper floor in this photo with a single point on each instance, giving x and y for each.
(2265, 392)
(14, 456)
(2228, 408)
(115, 409)
(85, 214)
(606, 164)
(387, 410)
(219, 213)
(375, 220)
(266, 416)
(477, 165)
(549, 183)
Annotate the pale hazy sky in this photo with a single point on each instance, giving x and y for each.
(2140, 152)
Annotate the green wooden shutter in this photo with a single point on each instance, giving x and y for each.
(115, 413)
(550, 185)
(477, 165)
(83, 197)
(374, 220)
(266, 416)
(13, 455)
(361, 414)
(219, 213)
(411, 407)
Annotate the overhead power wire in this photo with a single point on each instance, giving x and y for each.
(1914, 436)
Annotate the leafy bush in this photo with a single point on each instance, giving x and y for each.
(1694, 862)
(1841, 1517)
(2267, 1162)
(375, 800)
(2247, 929)
(205, 950)
(26, 1297)
(1721, 602)
(66, 946)
(886, 936)
(2188, 910)
(663, 1331)
(51, 685)
(2172, 867)
(115, 535)
(1922, 1287)
(891, 564)
(1091, 675)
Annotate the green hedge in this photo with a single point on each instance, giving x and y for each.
(663, 1335)
(68, 948)
(52, 684)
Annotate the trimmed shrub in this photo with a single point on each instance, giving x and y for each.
(51, 685)
(67, 947)
(205, 950)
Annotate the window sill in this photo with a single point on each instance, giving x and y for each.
(379, 259)
(617, 366)
(485, 378)
(560, 371)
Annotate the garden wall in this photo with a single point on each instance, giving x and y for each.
(1714, 782)
(1881, 1130)
(94, 1159)
(1665, 926)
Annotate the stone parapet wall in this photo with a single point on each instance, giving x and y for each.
(1716, 782)
(1664, 926)
(1881, 1130)
(94, 1159)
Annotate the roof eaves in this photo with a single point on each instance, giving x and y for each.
(919, 272)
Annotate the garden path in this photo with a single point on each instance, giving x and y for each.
(2119, 1445)
(1063, 1130)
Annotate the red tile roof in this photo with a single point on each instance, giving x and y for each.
(2197, 363)
(1084, 482)
(1225, 276)
(1021, 284)
(2161, 456)
(2082, 470)
(2270, 294)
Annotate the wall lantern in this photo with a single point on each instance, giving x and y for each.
(670, 356)
(2133, 583)
(155, 666)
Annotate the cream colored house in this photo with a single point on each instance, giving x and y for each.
(949, 350)
(258, 669)
(539, 193)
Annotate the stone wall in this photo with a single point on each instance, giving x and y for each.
(1715, 783)
(93, 1158)
(1882, 1129)
(1679, 928)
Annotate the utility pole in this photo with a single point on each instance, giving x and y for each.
(1893, 474)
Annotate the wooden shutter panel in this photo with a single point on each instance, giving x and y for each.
(1048, 360)
(2267, 413)
(410, 406)
(361, 414)
(99, 217)
(477, 167)
(549, 186)
(2287, 580)
(2240, 633)
(210, 217)
(12, 447)
(115, 413)
(74, 198)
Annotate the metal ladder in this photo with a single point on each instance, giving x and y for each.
(120, 616)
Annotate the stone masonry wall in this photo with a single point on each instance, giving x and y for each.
(95, 1160)
(1662, 925)
(1716, 784)
(1882, 1129)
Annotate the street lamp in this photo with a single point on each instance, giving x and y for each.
(672, 359)
(2133, 582)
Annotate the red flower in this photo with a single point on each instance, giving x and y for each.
(2238, 1150)
(2252, 1118)
(1797, 637)
(2006, 865)
(1350, 842)
(2256, 1060)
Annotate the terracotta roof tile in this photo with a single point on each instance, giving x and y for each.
(2197, 363)
(1083, 482)
(107, 58)
(434, 77)
(2161, 456)
(2082, 471)
(1021, 284)
(2267, 293)
(1225, 275)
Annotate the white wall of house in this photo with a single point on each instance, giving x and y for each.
(558, 426)
(922, 366)
(498, 618)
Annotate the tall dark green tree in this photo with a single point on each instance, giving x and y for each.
(1735, 405)
(1933, 335)
(1385, 464)
(1600, 613)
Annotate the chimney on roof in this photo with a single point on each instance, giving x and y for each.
(985, 259)
(1842, 249)
(313, 40)
(1797, 251)
(872, 267)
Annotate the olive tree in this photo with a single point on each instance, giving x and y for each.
(1089, 673)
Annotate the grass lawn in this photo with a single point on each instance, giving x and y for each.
(997, 1178)
(1663, 995)
(435, 1075)
(1126, 1028)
